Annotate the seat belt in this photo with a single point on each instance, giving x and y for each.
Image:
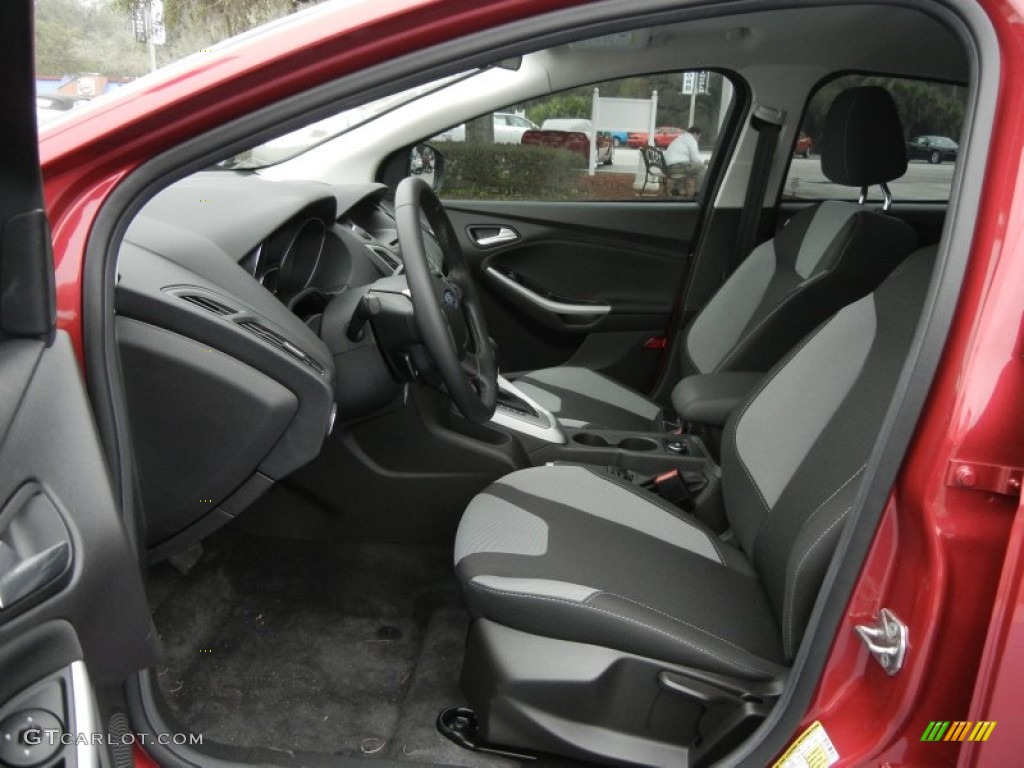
(767, 121)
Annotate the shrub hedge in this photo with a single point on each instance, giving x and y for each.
(513, 171)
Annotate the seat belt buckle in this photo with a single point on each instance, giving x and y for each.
(672, 487)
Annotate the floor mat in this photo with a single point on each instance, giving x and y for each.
(315, 647)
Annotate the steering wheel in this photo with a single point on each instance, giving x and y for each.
(444, 300)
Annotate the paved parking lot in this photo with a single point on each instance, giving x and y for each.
(921, 182)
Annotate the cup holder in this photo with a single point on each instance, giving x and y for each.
(638, 444)
(593, 440)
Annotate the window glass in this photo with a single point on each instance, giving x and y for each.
(588, 143)
(932, 116)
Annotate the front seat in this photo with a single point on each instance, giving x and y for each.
(825, 257)
(610, 625)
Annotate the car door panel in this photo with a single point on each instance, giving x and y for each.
(573, 286)
(52, 465)
(578, 283)
(73, 609)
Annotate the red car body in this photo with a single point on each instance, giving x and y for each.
(949, 554)
(804, 145)
(576, 142)
(663, 136)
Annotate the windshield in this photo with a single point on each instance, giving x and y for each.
(292, 144)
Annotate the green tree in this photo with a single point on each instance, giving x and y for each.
(192, 25)
(480, 130)
(221, 19)
(573, 103)
(673, 106)
(74, 38)
(923, 107)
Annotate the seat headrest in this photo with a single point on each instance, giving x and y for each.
(862, 142)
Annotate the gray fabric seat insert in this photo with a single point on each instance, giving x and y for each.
(622, 569)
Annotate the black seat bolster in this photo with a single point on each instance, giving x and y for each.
(867, 250)
(708, 399)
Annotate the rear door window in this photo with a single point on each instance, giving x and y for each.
(932, 115)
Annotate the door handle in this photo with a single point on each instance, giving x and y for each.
(35, 547)
(543, 302)
(488, 236)
(26, 576)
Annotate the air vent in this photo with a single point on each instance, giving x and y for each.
(277, 340)
(210, 305)
(387, 257)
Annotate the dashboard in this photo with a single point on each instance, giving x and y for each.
(224, 280)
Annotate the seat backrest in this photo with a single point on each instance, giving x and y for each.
(794, 454)
(654, 160)
(824, 257)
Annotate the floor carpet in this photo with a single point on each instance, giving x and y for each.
(346, 649)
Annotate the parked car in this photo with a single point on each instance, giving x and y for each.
(804, 145)
(52, 105)
(663, 136)
(574, 135)
(508, 129)
(934, 149)
(258, 484)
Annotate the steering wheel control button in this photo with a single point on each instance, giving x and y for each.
(29, 738)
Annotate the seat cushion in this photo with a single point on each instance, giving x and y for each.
(579, 397)
(567, 552)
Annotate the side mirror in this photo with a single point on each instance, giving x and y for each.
(418, 160)
(427, 162)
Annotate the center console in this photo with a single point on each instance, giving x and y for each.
(645, 458)
(650, 452)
